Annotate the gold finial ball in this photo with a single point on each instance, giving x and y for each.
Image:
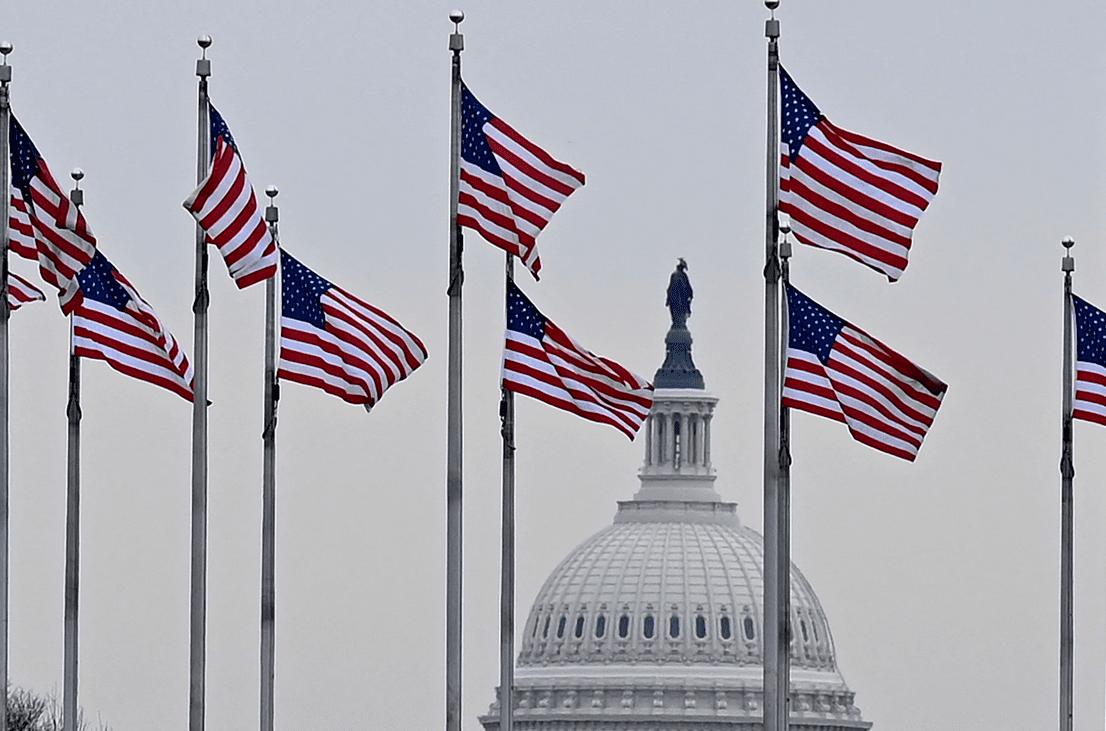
(771, 4)
(1068, 242)
(203, 41)
(271, 191)
(5, 48)
(456, 16)
(77, 174)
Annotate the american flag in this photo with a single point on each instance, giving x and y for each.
(57, 235)
(22, 292)
(226, 208)
(114, 324)
(510, 187)
(1090, 362)
(334, 341)
(840, 372)
(846, 192)
(543, 362)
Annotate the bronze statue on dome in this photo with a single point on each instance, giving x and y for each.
(679, 295)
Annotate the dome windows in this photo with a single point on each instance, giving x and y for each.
(579, 631)
(648, 627)
(561, 627)
(545, 629)
(724, 627)
(701, 627)
(750, 630)
(624, 626)
(600, 626)
(674, 626)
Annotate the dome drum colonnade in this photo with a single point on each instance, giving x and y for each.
(655, 621)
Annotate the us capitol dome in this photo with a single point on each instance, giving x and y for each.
(655, 623)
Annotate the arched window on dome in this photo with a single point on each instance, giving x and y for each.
(545, 629)
(561, 627)
(648, 626)
(600, 626)
(674, 626)
(624, 626)
(750, 630)
(579, 631)
(701, 627)
(802, 626)
(724, 627)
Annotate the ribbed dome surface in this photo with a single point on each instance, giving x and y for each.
(667, 592)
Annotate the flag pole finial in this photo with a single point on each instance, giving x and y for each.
(785, 245)
(456, 39)
(1068, 264)
(77, 195)
(5, 69)
(271, 210)
(203, 65)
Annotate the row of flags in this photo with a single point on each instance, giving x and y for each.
(330, 339)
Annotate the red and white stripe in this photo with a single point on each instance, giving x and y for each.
(1090, 392)
(362, 352)
(133, 341)
(510, 211)
(560, 372)
(22, 292)
(855, 195)
(21, 231)
(226, 208)
(886, 401)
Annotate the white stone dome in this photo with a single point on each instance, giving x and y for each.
(656, 622)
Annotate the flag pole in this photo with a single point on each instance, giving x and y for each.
(268, 490)
(1067, 477)
(72, 514)
(454, 422)
(5, 313)
(507, 541)
(775, 623)
(783, 537)
(198, 598)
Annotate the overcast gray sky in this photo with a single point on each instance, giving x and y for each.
(939, 578)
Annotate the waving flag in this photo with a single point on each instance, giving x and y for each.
(114, 324)
(334, 341)
(846, 192)
(226, 208)
(62, 242)
(1090, 362)
(22, 292)
(543, 362)
(510, 187)
(840, 372)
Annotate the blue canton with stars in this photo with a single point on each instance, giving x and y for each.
(1090, 328)
(24, 158)
(474, 143)
(522, 316)
(98, 283)
(219, 129)
(301, 289)
(799, 114)
(811, 327)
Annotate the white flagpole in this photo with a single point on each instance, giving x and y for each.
(453, 400)
(507, 544)
(776, 582)
(268, 491)
(198, 596)
(5, 313)
(1067, 477)
(72, 516)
